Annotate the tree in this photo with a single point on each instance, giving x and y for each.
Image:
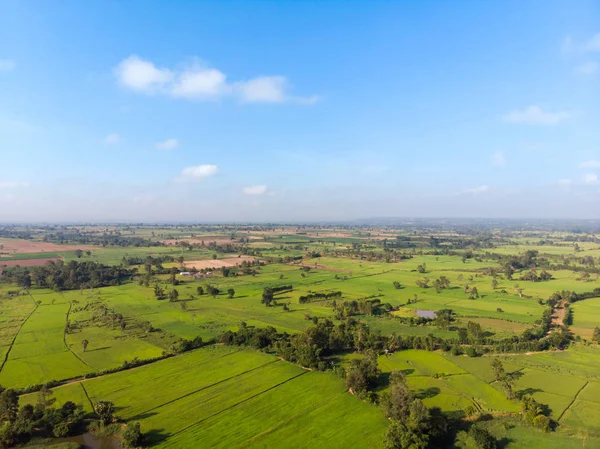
(482, 438)
(84, 344)
(422, 283)
(474, 294)
(397, 285)
(9, 405)
(396, 403)
(267, 296)
(422, 268)
(400, 436)
(494, 284)
(105, 411)
(596, 335)
(159, 293)
(200, 290)
(230, 292)
(132, 436)
(363, 374)
(173, 295)
(78, 253)
(505, 379)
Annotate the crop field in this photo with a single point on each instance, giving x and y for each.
(39, 352)
(232, 398)
(237, 397)
(445, 384)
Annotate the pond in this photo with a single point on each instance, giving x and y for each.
(426, 314)
(89, 441)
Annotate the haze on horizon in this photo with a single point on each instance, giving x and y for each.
(296, 111)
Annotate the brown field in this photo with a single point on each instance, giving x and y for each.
(18, 246)
(27, 262)
(218, 263)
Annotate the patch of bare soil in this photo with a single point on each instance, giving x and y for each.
(18, 246)
(218, 263)
(27, 262)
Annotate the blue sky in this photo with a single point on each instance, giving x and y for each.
(293, 110)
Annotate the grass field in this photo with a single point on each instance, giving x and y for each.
(233, 398)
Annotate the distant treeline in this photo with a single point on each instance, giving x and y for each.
(105, 239)
(69, 276)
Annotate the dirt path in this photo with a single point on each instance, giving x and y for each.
(558, 314)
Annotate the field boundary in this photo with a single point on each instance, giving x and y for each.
(573, 401)
(201, 389)
(65, 335)
(238, 403)
(87, 396)
(289, 420)
(17, 333)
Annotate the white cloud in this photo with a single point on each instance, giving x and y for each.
(593, 44)
(198, 82)
(567, 44)
(590, 164)
(13, 184)
(169, 144)
(142, 76)
(498, 159)
(255, 190)
(591, 179)
(6, 65)
(112, 139)
(269, 89)
(534, 115)
(197, 173)
(478, 190)
(565, 182)
(587, 68)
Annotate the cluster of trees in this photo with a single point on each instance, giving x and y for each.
(412, 424)
(325, 338)
(72, 275)
(537, 414)
(308, 298)
(363, 306)
(570, 297)
(268, 295)
(19, 424)
(532, 276)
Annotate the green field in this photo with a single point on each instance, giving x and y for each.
(237, 397)
(233, 399)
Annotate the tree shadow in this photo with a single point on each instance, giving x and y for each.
(155, 436)
(427, 393)
(455, 414)
(144, 415)
(527, 391)
(504, 442)
(97, 349)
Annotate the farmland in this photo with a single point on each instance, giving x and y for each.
(149, 336)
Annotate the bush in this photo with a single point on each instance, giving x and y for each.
(471, 351)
